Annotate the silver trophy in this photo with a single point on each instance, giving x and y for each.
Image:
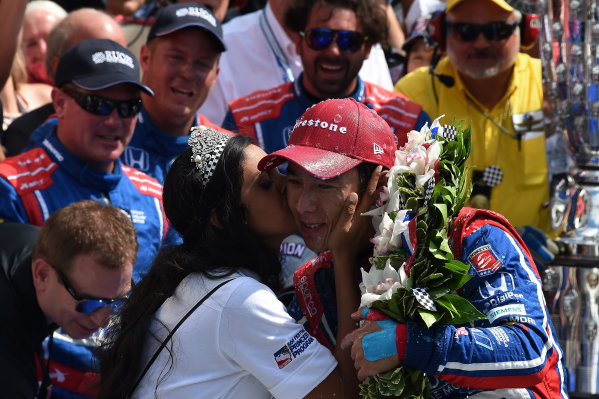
(569, 49)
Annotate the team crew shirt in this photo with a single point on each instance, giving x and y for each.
(261, 55)
(512, 354)
(239, 343)
(268, 116)
(520, 151)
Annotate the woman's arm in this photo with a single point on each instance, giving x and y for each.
(12, 12)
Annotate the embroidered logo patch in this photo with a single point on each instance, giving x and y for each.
(295, 347)
(484, 260)
(283, 357)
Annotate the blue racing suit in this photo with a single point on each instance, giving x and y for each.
(268, 116)
(46, 178)
(152, 150)
(512, 354)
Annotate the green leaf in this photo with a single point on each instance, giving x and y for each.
(462, 310)
(429, 318)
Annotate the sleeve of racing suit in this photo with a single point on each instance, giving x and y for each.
(422, 119)
(515, 341)
(229, 122)
(11, 206)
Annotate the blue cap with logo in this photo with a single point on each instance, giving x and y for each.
(185, 15)
(96, 64)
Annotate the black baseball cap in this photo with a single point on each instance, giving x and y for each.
(184, 15)
(96, 64)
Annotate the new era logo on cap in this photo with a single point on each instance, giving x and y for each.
(114, 57)
(196, 12)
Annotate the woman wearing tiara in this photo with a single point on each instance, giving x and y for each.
(238, 340)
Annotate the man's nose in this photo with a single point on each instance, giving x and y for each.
(306, 201)
(100, 317)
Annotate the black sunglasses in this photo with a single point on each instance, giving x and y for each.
(87, 304)
(103, 106)
(467, 32)
(321, 38)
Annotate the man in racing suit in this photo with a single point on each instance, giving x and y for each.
(180, 64)
(514, 352)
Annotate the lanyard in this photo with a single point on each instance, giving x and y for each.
(276, 48)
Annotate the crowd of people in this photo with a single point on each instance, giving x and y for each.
(169, 173)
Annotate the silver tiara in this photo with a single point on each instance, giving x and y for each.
(207, 145)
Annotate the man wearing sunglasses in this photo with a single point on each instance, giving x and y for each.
(70, 274)
(334, 38)
(486, 81)
(97, 98)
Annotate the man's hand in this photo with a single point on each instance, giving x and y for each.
(542, 248)
(351, 232)
(378, 345)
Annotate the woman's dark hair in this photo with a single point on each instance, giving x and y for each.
(370, 15)
(216, 243)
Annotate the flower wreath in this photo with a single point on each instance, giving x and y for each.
(413, 274)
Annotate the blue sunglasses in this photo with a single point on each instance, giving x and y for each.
(87, 304)
(321, 38)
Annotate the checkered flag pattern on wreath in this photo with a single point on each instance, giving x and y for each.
(424, 299)
(402, 202)
(429, 187)
(492, 175)
(449, 132)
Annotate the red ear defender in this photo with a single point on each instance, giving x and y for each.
(530, 26)
(436, 29)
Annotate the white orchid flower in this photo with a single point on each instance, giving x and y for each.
(381, 240)
(381, 284)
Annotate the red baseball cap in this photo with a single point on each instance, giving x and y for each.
(334, 136)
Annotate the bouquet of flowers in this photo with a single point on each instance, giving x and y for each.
(414, 275)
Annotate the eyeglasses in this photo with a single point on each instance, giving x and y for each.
(87, 304)
(467, 32)
(321, 38)
(99, 105)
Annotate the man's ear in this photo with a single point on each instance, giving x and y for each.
(368, 48)
(297, 40)
(40, 270)
(214, 220)
(58, 100)
(144, 57)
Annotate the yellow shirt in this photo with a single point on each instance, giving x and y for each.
(518, 149)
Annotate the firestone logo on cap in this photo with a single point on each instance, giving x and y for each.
(321, 124)
(114, 57)
(196, 12)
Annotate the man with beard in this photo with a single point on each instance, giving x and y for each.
(334, 37)
(486, 81)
